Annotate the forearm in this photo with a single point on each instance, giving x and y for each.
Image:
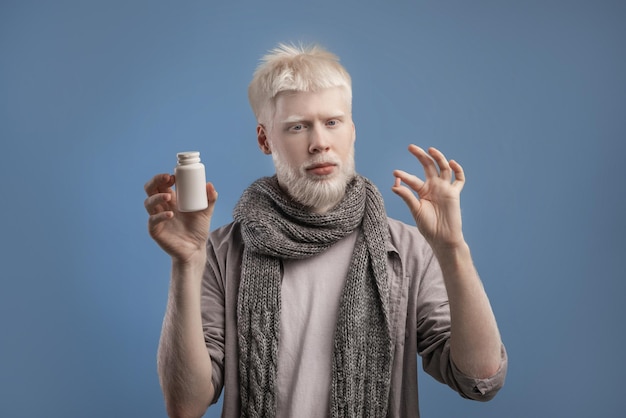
(184, 364)
(475, 343)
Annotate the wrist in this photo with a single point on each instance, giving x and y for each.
(192, 262)
(451, 250)
(454, 260)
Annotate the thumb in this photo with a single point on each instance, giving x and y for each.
(211, 193)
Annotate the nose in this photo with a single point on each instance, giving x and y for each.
(319, 140)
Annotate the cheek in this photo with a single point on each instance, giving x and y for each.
(292, 152)
(349, 141)
(296, 147)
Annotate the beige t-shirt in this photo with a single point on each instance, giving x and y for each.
(310, 297)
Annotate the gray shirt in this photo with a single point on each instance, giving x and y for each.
(419, 314)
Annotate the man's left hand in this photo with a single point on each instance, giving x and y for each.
(437, 207)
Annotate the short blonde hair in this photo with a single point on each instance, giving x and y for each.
(294, 68)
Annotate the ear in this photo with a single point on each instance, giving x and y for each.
(353, 133)
(261, 137)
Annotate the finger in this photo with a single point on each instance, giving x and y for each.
(155, 220)
(411, 180)
(459, 174)
(407, 195)
(157, 203)
(159, 184)
(444, 167)
(430, 169)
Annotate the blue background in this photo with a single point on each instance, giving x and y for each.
(96, 97)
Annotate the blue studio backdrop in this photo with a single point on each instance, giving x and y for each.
(96, 97)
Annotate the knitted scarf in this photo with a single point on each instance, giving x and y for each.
(274, 228)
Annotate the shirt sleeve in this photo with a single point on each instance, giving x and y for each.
(482, 389)
(433, 333)
(213, 322)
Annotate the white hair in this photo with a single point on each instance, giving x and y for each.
(295, 68)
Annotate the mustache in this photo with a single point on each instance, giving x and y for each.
(321, 160)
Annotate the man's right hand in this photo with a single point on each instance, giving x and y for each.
(181, 234)
(183, 364)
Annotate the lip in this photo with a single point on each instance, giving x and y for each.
(321, 168)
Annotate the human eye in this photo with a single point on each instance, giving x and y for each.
(332, 122)
(297, 127)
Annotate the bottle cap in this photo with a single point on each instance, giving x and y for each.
(188, 157)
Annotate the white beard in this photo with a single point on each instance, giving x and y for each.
(320, 193)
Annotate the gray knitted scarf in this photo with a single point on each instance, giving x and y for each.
(274, 228)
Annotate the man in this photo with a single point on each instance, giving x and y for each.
(313, 302)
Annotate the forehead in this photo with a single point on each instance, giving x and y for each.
(307, 103)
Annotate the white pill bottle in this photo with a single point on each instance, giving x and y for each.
(190, 182)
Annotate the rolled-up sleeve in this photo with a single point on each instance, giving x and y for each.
(481, 389)
(433, 333)
(439, 364)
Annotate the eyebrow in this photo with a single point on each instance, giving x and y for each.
(292, 119)
(298, 118)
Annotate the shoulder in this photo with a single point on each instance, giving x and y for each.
(226, 238)
(410, 246)
(404, 236)
(224, 252)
